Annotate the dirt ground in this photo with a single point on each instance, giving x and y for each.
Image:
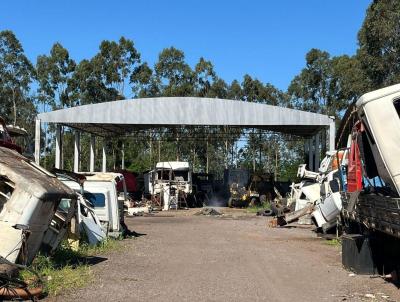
(234, 257)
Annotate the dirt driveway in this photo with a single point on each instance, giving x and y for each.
(184, 257)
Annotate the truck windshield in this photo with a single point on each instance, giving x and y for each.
(181, 175)
(396, 104)
(163, 174)
(98, 200)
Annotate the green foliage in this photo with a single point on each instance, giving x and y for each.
(16, 75)
(255, 209)
(67, 269)
(334, 242)
(53, 75)
(379, 40)
(328, 84)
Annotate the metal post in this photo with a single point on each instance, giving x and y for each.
(317, 151)
(58, 146)
(37, 141)
(310, 154)
(104, 164)
(207, 156)
(77, 151)
(332, 129)
(92, 155)
(306, 149)
(123, 157)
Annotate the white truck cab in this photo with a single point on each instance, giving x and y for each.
(101, 190)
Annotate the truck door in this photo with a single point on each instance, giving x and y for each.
(99, 199)
(354, 174)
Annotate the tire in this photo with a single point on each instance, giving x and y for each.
(254, 201)
(230, 202)
(265, 212)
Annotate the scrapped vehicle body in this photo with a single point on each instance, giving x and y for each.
(371, 181)
(86, 218)
(88, 221)
(171, 182)
(59, 225)
(29, 199)
(203, 189)
(5, 138)
(318, 194)
(100, 189)
(373, 171)
(20, 137)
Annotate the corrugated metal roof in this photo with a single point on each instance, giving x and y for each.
(120, 117)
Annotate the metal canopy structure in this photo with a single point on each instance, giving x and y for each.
(118, 118)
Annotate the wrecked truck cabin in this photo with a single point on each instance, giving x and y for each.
(88, 224)
(171, 183)
(100, 189)
(371, 180)
(29, 199)
(317, 198)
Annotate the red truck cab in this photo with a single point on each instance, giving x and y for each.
(5, 138)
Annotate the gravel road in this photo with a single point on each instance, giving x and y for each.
(235, 257)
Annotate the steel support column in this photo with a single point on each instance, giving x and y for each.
(77, 151)
(332, 130)
(104, 163)
(37, 141)
(317, 152)
(58, 159)
(310, 154)
(123, 157)
(92, 155)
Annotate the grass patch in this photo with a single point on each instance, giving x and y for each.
(334, 242)
(67, 269)
(105, 246)
(255, 209)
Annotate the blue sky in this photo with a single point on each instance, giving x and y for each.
(266, 39)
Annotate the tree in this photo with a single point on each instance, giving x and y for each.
(312, 88)
(144, 82)
(88, 86)
(327, 85)
(53, 74)
(116, 62)
(174, 74)
(16, 74)
(235, 91)
(379, 40)
(205, 77)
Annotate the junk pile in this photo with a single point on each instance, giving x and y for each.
(255, 189)
(40, 209)
(316, 199)
(208, 212)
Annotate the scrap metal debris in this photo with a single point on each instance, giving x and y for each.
(12, 287)
(209, 212)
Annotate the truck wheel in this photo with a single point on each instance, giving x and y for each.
(265, 212)
(254, 201)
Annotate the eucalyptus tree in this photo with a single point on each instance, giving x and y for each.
(115, 63)
(144, 82)
(379, 43)
(235, 90)
(175, 75)
(54, 72)
(204, 76)
(16, 75)
(87, 85)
